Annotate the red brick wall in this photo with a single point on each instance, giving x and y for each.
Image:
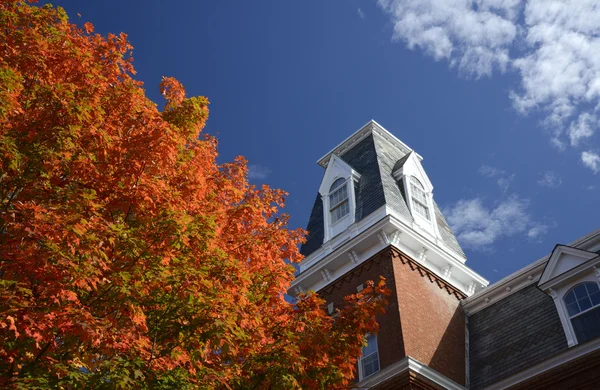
(389, 338)
(423, 319)
(433, 323)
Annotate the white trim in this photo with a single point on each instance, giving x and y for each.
(521, 278)
(409, 241)
(571, 274)
(559, 294)
(547, 365)
(408, 364)
(555, 258)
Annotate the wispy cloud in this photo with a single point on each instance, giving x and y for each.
(488, 171)
(478, 226)
(591, 160)
(537, 232)
(361, 14)
(504, 180)
(258, 172)
(554, 45)
(550, 179)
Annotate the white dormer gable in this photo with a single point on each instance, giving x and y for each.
(413, 167)
(564, 261)
(339, 203)
(419, 193)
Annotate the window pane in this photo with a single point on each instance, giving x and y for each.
(570, 298)
(420, 209)
(416, 182)
(370, 357)
(580, 291)
(587, 326)
(592, 287)
(370, 365)
(573, 309)
(584, 303)
(371, 346)
(340, 211)
(595, 297)
(338, 196)
(336, 184)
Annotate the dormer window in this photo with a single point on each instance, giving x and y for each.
(338, 197)
(338, 200)
(571, 277)
(419, 198)
(583, 306)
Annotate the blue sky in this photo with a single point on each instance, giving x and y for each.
(499, 97)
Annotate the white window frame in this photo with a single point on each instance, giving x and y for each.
(361, 374)
(337, 169)
(412, 167)
(593, 307)
(338, 205)
(415, 184)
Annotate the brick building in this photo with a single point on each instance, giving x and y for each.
(374, 214)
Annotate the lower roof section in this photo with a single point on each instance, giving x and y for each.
(575, 368)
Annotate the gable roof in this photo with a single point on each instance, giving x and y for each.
(375, 156)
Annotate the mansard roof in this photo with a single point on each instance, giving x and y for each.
(375, 154)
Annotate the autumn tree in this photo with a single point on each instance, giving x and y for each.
(128, 257)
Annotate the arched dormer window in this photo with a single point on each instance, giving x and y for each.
(419, 198)
(583, 306)
(338, 200)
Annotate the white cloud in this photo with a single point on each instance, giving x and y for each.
(478, 226)
(473, 35)
(554, 45)
(361, 14)
(550, 179)
(488, 171)
(537, 231)
(583, 127)
(258, 172)
(591, 160)
(505, 182)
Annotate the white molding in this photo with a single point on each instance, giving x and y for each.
(571, 274)
(408, 364)
(522, 278)
(560, 252)
(374, 236)
(547, 365)
(564, 318)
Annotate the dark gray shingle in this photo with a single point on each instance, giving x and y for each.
(375, 160)
(517, 332)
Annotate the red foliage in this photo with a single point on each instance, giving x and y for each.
(128, 257)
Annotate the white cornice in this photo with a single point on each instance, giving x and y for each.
(555, 361)
(381, 229)
(404, 365)
(521, 278)
(361, 134)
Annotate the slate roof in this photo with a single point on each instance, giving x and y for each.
(375, 160)
(516, 332)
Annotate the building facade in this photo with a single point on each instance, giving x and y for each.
(445, 328)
